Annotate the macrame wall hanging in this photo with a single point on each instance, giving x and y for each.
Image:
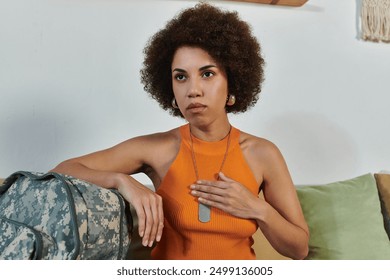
(375, 20)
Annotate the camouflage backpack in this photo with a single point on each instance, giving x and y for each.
(53, 216)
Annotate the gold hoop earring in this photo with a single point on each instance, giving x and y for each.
(231, 100)
(174, 104)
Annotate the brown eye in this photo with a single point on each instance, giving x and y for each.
(180, 77)
(208, 74)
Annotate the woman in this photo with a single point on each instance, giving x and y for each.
(203, 65)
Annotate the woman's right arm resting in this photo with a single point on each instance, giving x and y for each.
(110, 168)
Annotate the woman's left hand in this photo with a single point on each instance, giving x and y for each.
(227, 195)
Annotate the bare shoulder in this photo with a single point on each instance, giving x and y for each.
(170, 137)
(258, 147)
(263, 157)
(152, 146)
(157, 152)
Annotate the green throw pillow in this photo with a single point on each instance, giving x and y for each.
(345, 220)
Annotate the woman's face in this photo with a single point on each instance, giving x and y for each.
(199, 84)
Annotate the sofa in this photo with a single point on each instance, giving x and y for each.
(348, 219)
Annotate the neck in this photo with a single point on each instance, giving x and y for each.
(211, 133)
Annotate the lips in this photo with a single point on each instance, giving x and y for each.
(196, 107)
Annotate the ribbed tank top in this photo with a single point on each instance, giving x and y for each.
(184, 236)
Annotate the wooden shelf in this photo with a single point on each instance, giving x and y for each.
(294, 3)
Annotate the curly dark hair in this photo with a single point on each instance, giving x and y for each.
(224, 36)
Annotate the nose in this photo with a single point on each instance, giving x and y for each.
(194, 89)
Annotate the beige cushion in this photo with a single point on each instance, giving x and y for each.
(383, 183)
(264, 250)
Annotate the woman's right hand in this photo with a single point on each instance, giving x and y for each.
(148, 206)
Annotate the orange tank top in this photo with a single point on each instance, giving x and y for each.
(184, 236)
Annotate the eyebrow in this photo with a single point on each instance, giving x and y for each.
(200, 69)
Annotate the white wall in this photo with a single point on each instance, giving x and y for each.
(69, 83)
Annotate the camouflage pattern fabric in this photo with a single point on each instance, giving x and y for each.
(53, 216)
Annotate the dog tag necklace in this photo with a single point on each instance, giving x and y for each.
(204, 211)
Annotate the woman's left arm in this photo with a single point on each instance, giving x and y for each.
(280, 218)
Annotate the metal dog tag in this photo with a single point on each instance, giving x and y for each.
(204, 213)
